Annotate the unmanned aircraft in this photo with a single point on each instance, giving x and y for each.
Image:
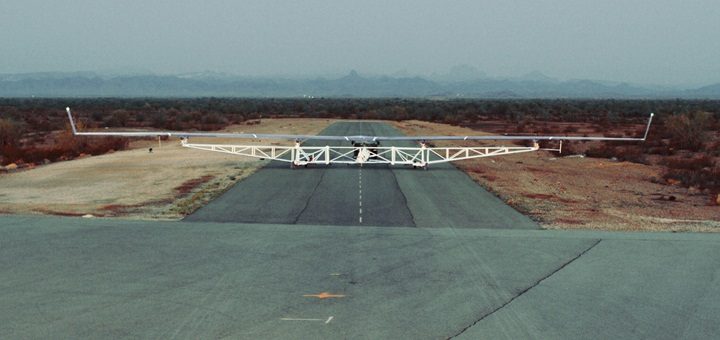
(362, 150)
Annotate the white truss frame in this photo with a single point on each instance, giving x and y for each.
(422, 156)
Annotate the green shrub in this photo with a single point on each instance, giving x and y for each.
(688, 131)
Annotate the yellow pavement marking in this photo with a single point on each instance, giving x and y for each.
(324, 295)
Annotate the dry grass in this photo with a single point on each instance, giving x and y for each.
(584, 193)
(168, 183)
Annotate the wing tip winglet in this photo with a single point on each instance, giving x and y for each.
(72, 122)
(647, 129)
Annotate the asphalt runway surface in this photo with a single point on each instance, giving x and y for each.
(284, 255)
(101, 278)
(373, 195)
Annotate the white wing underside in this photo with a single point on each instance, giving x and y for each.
(356, 138)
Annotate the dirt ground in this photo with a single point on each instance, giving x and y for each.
(564, 191)
(165, 184)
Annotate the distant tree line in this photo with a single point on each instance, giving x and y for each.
(214, 113)
(684, 130)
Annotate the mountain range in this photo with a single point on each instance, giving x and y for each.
(460, 82)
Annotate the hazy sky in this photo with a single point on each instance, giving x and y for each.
(641, 41)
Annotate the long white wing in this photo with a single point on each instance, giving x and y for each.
(360, 138)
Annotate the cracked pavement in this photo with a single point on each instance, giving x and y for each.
(92, 278)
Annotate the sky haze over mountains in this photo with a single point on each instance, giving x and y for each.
(453, 85)
(660, 42)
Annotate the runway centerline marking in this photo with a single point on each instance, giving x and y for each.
(326, 321)
(360, 195)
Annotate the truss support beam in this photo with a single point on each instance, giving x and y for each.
(422, 156)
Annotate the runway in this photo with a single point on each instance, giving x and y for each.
(79, 278)
(288, 254)
(375, 195)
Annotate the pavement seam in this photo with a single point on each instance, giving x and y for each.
(397, 184)
(307, 202)
(526, 289)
